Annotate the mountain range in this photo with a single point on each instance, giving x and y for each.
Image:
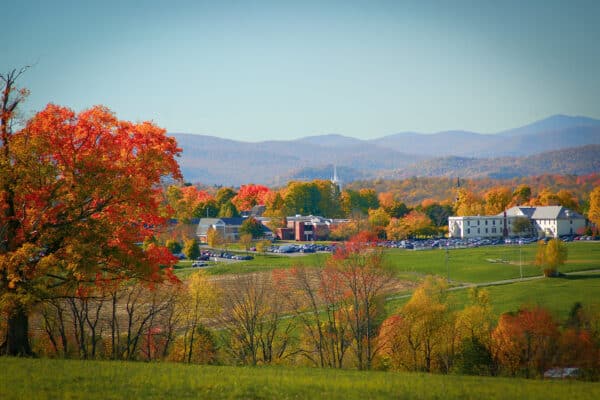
(558, 144)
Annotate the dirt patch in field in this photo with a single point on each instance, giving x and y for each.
(228, 282)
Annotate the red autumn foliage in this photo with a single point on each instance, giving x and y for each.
(249, 196)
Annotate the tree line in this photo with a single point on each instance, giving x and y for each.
(331, 316)
(384, 213)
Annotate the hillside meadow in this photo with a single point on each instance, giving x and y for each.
(465, 265)
(73, 379)
(557, 295)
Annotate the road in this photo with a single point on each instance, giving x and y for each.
(497, 283)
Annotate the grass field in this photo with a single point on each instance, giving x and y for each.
(261, 262)
(557, 295)
(90, 380)
(491, 263)
(474, 265)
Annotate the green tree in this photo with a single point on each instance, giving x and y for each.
(361, 201)
(522, 195)
(474, 328)
(302, 198)
(329, 204)
(228, 210)
(225, 195)
(522, 226)
(206, 209)
(253, 227)
(396, 209)
(173, 245)
(438, 213)
(191, 248)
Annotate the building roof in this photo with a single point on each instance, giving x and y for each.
(205, 223)
(542, 212)
(307, 218)
(258, 211)
(519, 212)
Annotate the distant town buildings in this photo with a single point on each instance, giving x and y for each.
(546, 221)
(299, 227)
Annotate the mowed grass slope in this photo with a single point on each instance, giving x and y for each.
(474, 265)
(490, 263)
(557, 295)
(71, 379)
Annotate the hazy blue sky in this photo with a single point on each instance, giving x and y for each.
(252, 70)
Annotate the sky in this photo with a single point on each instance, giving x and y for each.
(280, 70)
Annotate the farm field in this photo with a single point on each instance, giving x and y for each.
(72, 379)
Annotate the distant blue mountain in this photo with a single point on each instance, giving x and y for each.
(553, 123)
(553, 133)
(213, 160)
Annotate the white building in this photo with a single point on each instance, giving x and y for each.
(480, 226)
(553, 221)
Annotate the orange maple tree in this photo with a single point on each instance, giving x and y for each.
(525, 341)
(249, 196)
(77, 192)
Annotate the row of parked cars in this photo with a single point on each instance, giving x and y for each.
(206, 255)
(422, 244)
(301, 248)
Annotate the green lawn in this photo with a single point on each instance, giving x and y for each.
(475, 265)
(71, 379)
(487, 264)
(554, 294)
(261, 262)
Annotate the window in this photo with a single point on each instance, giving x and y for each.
(469, 230)
(493, 230)
(494, 222)
(478, 230)
(478, 222)
(486, 221)
(486, 230)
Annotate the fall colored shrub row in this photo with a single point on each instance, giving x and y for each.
(425, 335)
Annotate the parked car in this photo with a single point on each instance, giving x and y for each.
(197, 264)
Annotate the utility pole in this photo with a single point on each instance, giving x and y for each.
(447, 265)
(521, 258)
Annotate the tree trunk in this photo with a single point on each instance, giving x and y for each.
(17, 334)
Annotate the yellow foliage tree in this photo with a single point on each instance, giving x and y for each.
(497, 200)
(594, 211)
(468, 203)
(424, 334)
(214, 238)
(550, 256)
(200, 303)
